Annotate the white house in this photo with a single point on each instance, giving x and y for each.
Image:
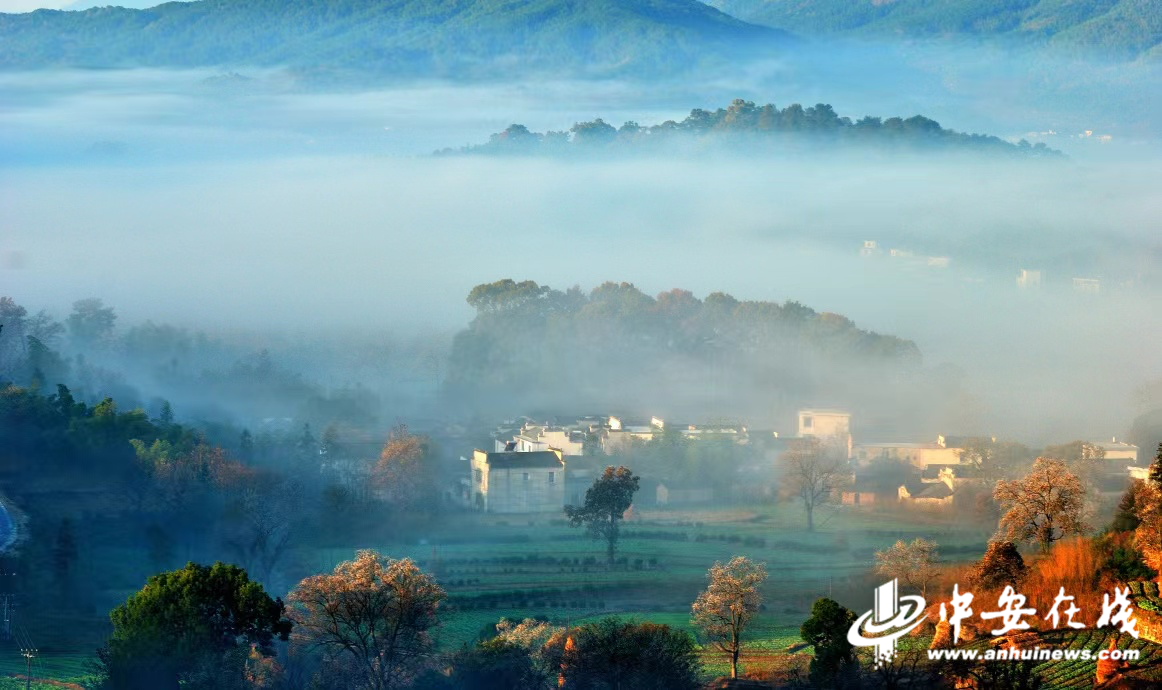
(827, 425)
(510, 482)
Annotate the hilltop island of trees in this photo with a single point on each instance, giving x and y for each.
(746, 125)
(531, 344)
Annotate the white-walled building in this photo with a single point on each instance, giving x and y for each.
(511, 482)
(828, 426)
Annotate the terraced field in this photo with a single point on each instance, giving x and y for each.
(494, 566)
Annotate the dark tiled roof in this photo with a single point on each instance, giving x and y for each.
(876, 483)
(538, 458)
(928, 490)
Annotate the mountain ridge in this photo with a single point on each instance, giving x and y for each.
(401, 37)
(1119, 28)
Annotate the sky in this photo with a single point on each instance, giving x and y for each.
(30, 5)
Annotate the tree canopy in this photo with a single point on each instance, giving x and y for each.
(1044, 506)
(826, 631)
(745, 126)
(614, 654)
(616, 344)
(724, 608)
(184, 621)
(403, 38)
(605, 505)
(371, 619)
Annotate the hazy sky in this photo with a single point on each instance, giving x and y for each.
(30, 5)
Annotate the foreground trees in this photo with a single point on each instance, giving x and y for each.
(826, 631)
(605, 504)
(1145, 502)
(913, 563)
(370, 619)
(1000, 566)
(607, 654)
(611, 654)
(190, 624)
(727, 605)
(1043, 507)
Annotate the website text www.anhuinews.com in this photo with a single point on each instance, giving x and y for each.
(1034, 654)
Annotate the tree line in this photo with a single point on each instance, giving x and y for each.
(747, 123)
(530, 346)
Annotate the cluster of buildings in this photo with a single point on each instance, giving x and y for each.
(872, 248)
(937, 471)
(1027, 278)
(1031, 279)
(541, 467)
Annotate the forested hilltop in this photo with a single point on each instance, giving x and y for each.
(743, 122)
(616, 347)
(390, 38)
(1123, 28)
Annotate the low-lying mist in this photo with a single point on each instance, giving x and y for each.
(256, 210)
(329, 247)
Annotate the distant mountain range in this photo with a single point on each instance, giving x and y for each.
(1122, 28)
(504, 38)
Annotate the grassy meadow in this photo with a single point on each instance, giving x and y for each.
(516, 566)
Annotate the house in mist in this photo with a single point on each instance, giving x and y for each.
(926, 494)
(865, 490)
(512, 482)
(1118, 450)
(1118, 467)
(1028, 279)
(831, 426)
(1088, 286)
(537, 437)
(919, 455)
(940, 485)
(620, 432)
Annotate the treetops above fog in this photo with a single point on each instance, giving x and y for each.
(744, 121)
(602, 345)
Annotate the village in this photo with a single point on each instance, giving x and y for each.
(540, 467)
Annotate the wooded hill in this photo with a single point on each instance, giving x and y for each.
(478, 38)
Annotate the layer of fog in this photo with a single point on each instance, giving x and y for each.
(253, 208)
(144, 116)
(352, 245)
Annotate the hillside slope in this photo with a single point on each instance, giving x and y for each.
(1123, 28)
(395, 37)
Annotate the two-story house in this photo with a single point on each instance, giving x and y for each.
(511, 482)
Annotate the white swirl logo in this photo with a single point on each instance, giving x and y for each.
(899, 615)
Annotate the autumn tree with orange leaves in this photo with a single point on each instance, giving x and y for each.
(403, 474)
(1044, 506)
(723, 610)
(369, 619)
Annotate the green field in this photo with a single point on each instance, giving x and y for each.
(516, 567)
